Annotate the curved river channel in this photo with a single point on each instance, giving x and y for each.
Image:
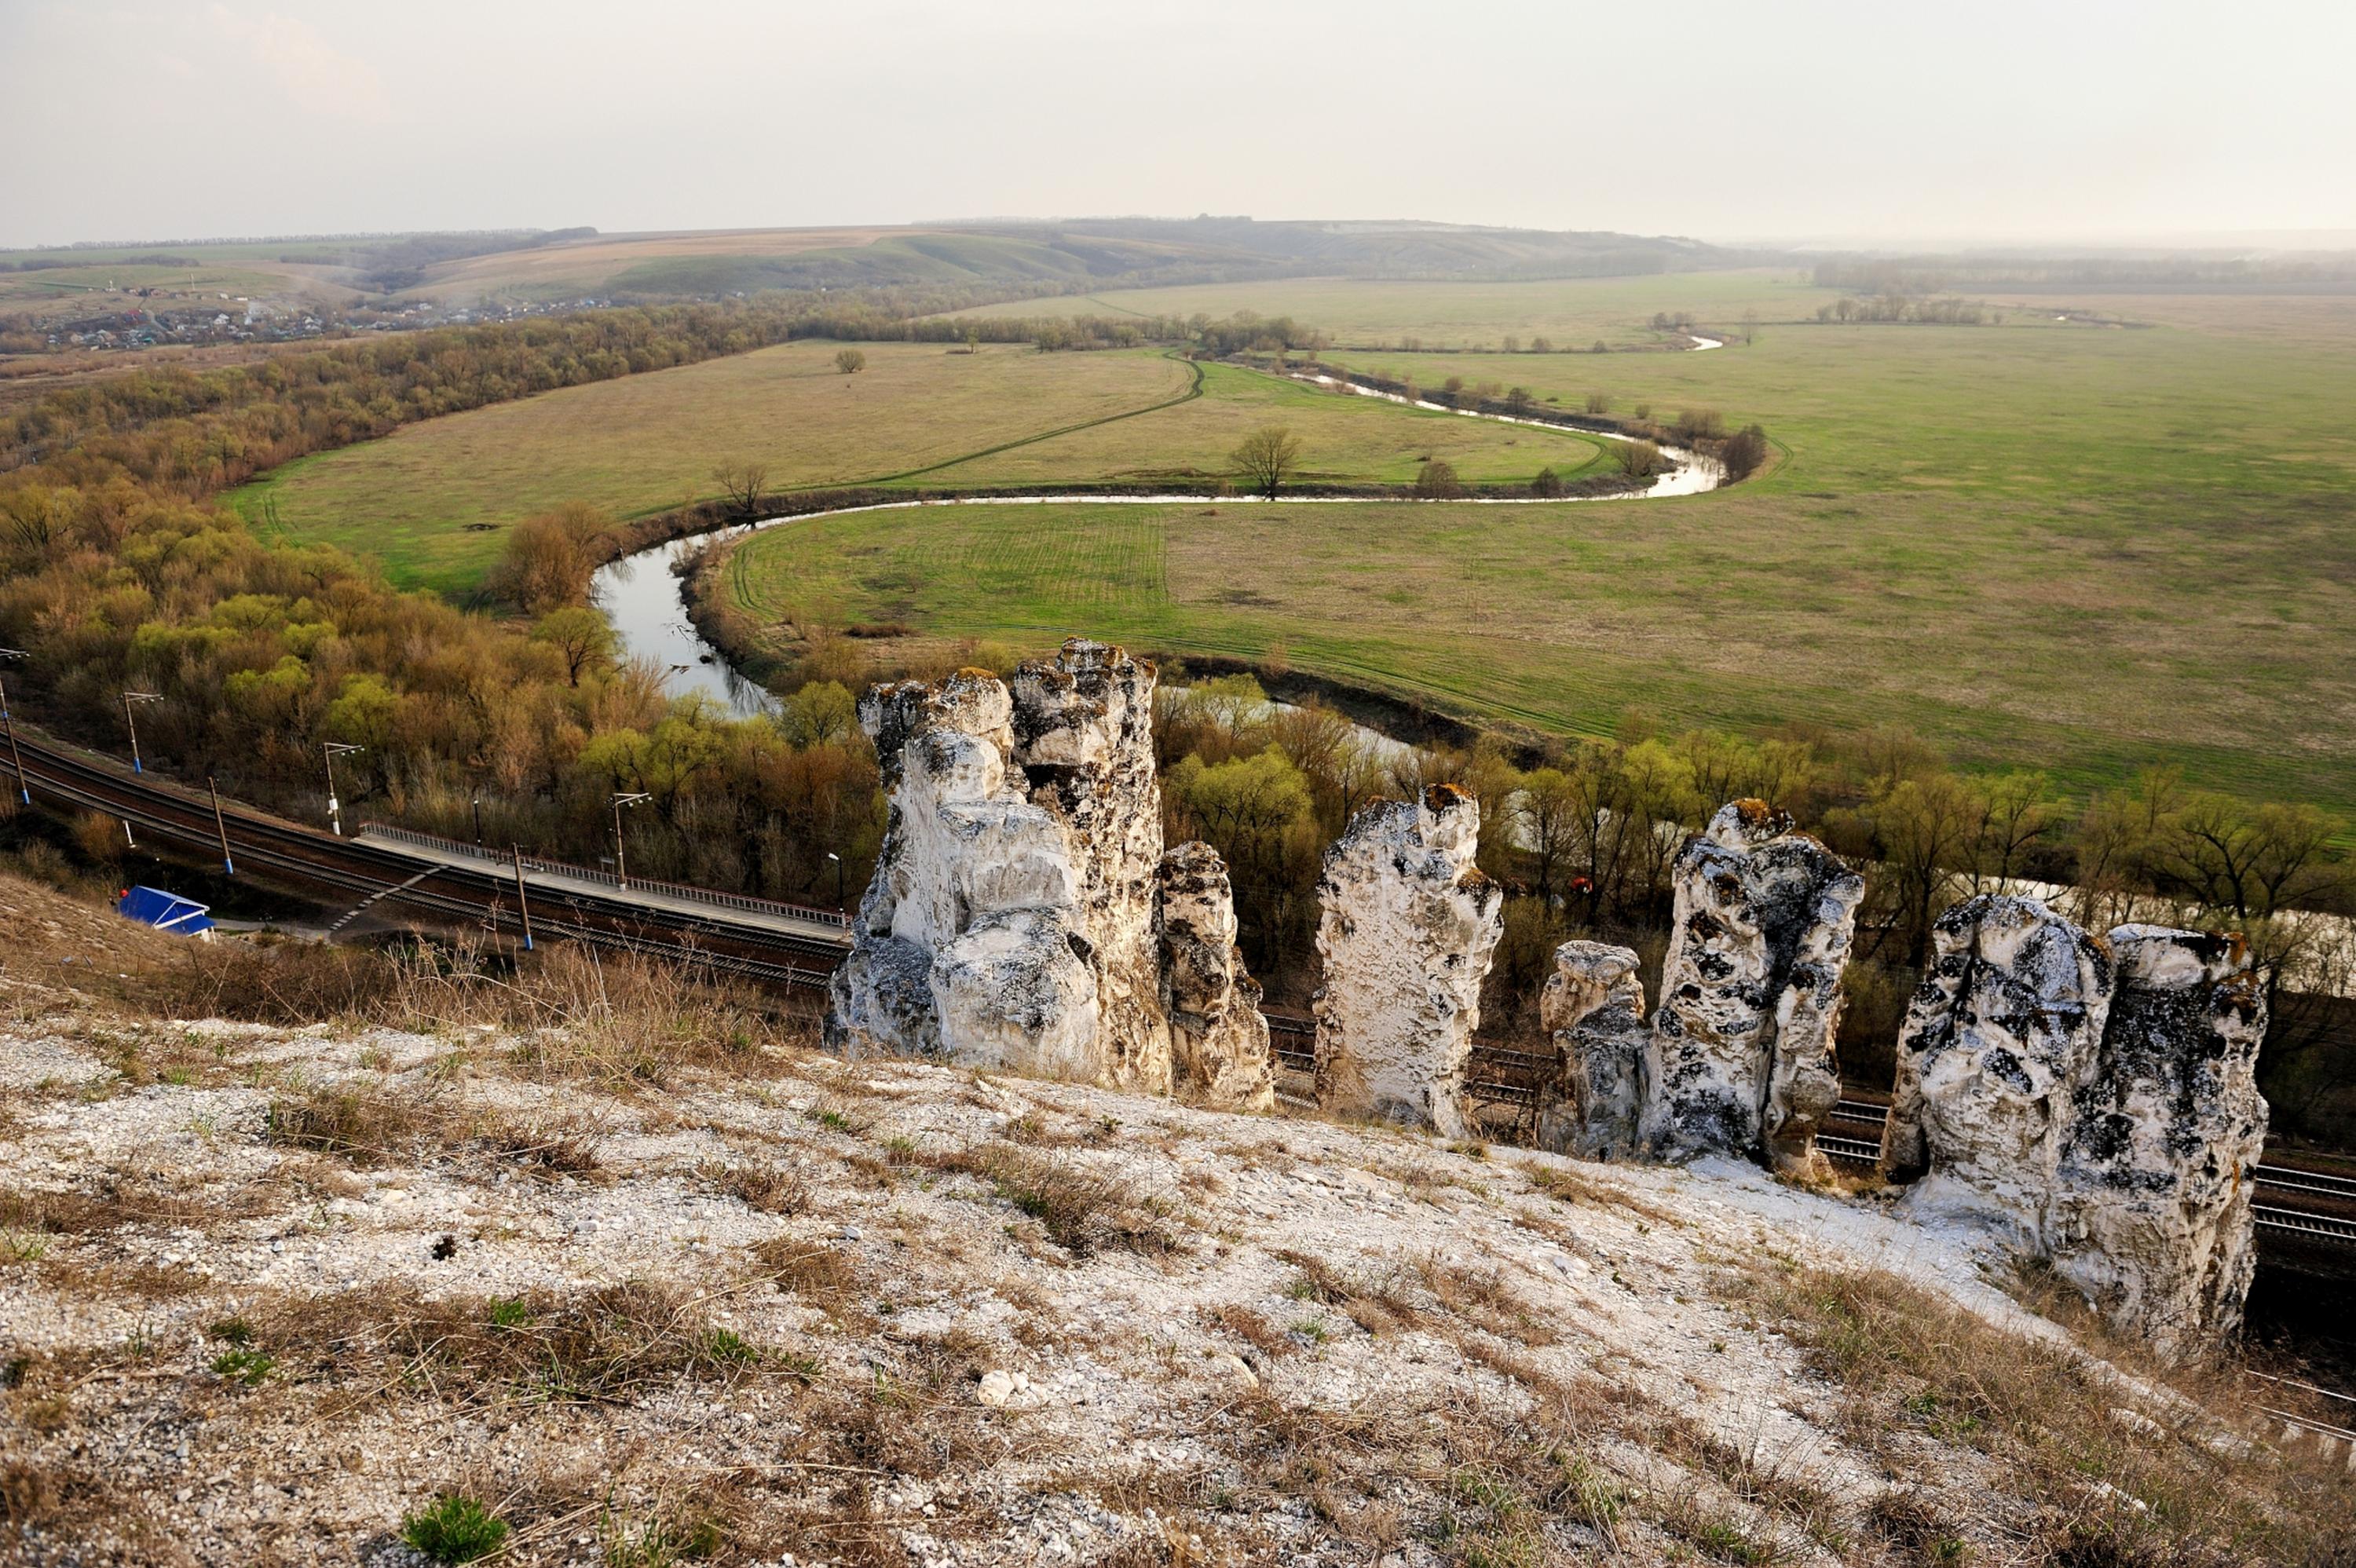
(641, 593)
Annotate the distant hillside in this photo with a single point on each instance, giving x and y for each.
(1052, 256)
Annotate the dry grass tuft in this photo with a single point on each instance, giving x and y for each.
(818, 1274)
(367, 1123)
(604, 1346)
(1911, 1366)
(768, 1189)
(1083, 1208)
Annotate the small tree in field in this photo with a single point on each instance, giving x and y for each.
(1744, 452)
(743, 484)
(851, 361)
(1599, 403)
(1546, 485)
(1640, 459)
(1438, 481)
(1268, 457)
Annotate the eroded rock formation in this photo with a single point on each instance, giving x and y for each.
(1741, 1057)
(967, 943)
(1997, 1044)
(1022, 914)
(1083, 728)
(1219, 1037)
(1408, 926)
(2152, 1215)
(1594, 1009)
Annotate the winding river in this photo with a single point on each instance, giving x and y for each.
(641, 593)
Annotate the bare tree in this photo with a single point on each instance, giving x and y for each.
(1268, 457)
(743, 484)
(851, 361)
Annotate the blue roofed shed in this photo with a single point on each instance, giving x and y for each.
(166, 911)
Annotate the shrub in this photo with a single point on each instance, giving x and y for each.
(1745, 452)
(1438, 481)
(851, 361)
(1641, 460)
(456, 1529)
(1548, 485)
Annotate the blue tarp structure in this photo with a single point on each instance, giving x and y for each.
(164, 911)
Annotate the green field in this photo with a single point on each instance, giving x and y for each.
(1571, 312)
(2085, 550)
(431, 500)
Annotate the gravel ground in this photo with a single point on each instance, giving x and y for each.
(266, 1293)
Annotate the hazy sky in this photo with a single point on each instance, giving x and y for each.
(164, 118)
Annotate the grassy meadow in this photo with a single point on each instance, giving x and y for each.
(1571, 313)
(2080, 548)
(431, 500)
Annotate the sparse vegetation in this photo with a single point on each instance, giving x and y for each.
(455, 1529)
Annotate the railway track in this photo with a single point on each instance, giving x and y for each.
(480, 895)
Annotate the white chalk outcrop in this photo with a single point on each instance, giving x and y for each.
(2096, 1100)
(1407, 929)
(967, 943)
(2152, 1211)
(1219, 1037)
(1594, 1009)
(1017, 917)
(1998, 1043)
(1082, 728)
(1742, 1059)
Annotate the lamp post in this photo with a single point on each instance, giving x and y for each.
(15, 757)
(479, 821)
(331, 750)
(621, 866)
(132, 723)
(837, 876)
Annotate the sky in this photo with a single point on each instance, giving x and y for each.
(1874, 122)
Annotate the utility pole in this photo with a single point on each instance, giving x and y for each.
(132, 723)
(332, 750)
(523, 904)
(221, 825)
(15, 757)
(621, 869)
(479, 821)
(837, 876)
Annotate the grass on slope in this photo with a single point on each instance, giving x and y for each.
(1571, 313)
(1345, 438)
(2009, 641)
(431, 500)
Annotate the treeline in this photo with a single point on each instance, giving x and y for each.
(1582, 835)
(1932, 274)
(1898, 307)
(50, 263)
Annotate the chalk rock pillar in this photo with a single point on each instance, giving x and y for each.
(1742, 1059)
(1409, 924)
(967, 942)
(2152, 1211)
(1219, 1037)
(1999, 1044)
(1593, 1007)
(1082, 728)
